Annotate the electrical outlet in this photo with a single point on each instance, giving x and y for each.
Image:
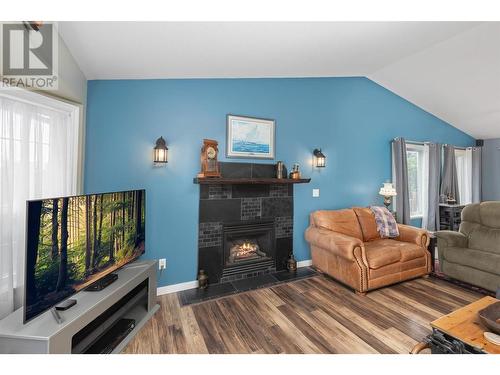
(162, 263)
(315, 193)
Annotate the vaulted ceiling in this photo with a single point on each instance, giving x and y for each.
(450, 69)
(458, 80)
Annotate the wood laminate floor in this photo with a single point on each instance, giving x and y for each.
(316, 315)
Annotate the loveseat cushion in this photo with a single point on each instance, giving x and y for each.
(367, 223)
(380, 253)
(383, 252)
(411, 251)
(341, 221)
(481, 260)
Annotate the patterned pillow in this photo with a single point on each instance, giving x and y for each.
(386, 224)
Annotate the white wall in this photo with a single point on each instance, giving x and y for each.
(72, 81)
(491, 170)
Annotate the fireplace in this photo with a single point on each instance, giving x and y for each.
(249, 249)
(256, 217)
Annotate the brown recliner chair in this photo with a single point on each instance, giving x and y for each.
(346, 245)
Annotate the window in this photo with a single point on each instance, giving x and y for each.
(416, 179)
(463, 161)
(39, 157)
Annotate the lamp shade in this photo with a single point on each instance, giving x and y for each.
(160, 154)
(319, 158)
(388, 190)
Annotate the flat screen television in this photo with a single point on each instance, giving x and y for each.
(72, 242)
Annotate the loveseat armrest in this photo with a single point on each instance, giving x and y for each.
(414, 235)
(335, 242)
(452, 239)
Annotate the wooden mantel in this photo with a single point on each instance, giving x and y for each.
(248, 181)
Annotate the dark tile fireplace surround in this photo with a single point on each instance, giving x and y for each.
(245, 230)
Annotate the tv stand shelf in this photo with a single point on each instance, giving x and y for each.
(132, 296)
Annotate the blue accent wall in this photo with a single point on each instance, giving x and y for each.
(351, 119)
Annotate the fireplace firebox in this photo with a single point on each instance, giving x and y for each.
(245, 250)
(249, 249)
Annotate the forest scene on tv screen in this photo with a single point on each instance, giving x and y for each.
(72, 242)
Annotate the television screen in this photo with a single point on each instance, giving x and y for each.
(73, 241)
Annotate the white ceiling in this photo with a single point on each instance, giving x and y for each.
(458, 80)
(451, 69)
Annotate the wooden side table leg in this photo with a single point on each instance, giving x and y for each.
(432, 249)
(419, 347)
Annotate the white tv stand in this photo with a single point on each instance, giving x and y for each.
(132, 296)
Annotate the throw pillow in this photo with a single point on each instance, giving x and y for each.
(386, 224)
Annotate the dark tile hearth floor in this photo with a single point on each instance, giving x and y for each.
(191, 296)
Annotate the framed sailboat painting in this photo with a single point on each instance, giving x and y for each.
(250, 137)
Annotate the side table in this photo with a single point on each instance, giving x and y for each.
(432, 249)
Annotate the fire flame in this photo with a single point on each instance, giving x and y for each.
(245, 249)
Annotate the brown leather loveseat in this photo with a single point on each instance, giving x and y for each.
(346, 245)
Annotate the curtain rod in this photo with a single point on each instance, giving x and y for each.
(458, 147)
(424, 143)
(39, 105)
(410, 142)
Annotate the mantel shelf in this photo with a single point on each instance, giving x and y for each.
(248, 181)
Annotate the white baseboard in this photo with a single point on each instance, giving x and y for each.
(177, 287)
(174, 288)
(304, 263)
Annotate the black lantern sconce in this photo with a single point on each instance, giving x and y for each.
(319, 158)
(160, 151)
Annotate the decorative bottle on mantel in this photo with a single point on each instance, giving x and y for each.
(295, 173)
(279, 169)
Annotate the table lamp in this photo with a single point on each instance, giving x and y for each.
(387, 191)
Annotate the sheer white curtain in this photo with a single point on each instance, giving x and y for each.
(463, 159)
(38, 158)
(467, 180)
(425, 186)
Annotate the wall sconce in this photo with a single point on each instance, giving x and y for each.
(319, 158)
(387, 191)
(160, 151)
